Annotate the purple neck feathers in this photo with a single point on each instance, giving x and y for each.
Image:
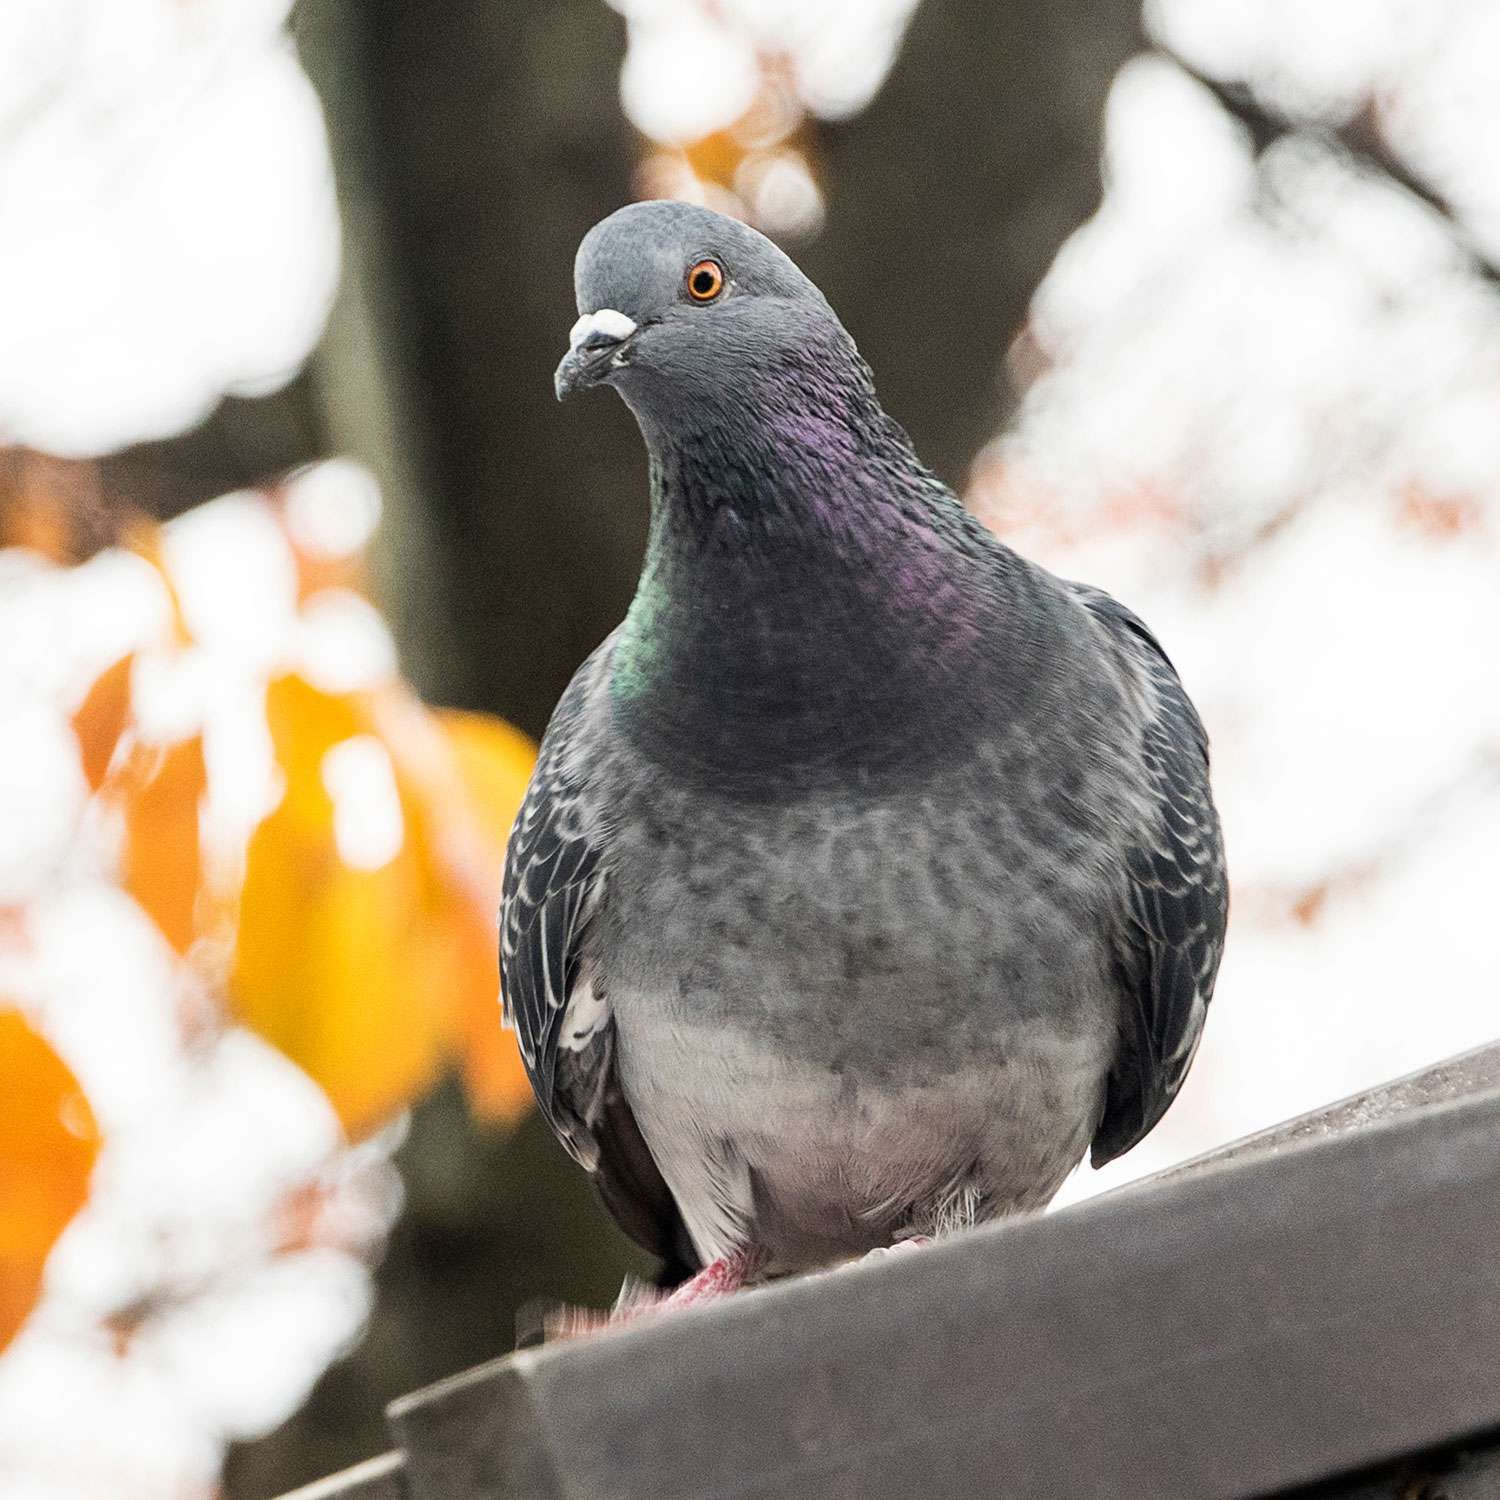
(812, 596)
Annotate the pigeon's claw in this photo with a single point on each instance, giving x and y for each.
(730, 1273)
(910, 1242)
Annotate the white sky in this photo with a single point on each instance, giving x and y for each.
(170, 232)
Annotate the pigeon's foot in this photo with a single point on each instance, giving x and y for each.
(638, 1303)
(717, 1279)
(910, 1242)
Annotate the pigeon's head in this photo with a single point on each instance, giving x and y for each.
(683, 310)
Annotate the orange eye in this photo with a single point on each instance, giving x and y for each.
(705, 280)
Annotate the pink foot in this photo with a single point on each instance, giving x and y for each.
(717, 1279)
(911, 1242)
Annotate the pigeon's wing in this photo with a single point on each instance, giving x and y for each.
(1176, 901)
(554, 995)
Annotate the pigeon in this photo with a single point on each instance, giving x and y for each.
(869, 874)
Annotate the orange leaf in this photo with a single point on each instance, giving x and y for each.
(51, 505)
(493, 1074)
(20, 1290)
(306, 723)
(494, 763)
(143, 537)
(345, 969)
(714, 157)
(333, 967)
(162, 858)
(100, 719)
(48, 1142)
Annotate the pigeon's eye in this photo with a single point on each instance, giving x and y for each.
(705, 280)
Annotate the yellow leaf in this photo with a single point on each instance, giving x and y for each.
(468, 773)
(494, 763)
(345, 969)
(370, 979)
(48, 1142)
(334, 968)
(101, 717)
(163, 791)
(306, 723)
(494, 1076)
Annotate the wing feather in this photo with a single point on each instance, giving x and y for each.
(551, 881)
(1176, 899)
(555, 886)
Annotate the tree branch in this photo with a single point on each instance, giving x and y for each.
(1360, 139)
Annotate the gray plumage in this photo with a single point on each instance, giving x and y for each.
(869, 872)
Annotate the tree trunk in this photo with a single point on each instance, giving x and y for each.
(498, 142)
(949, 197)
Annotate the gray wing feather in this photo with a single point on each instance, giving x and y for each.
(1176, 903)
(555, 886)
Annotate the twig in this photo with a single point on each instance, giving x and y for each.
(1359, 138)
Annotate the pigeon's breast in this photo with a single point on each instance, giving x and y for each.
(812, 1163)
(832, 1011)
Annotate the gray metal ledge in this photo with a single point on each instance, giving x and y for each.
(375, 1479)
(1317, 1305)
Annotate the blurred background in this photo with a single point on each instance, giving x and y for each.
(1200, 303)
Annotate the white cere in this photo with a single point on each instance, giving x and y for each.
(607, 321)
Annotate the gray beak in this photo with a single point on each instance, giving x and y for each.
(595, 345)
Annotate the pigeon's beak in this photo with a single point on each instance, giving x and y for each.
(596, 346)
